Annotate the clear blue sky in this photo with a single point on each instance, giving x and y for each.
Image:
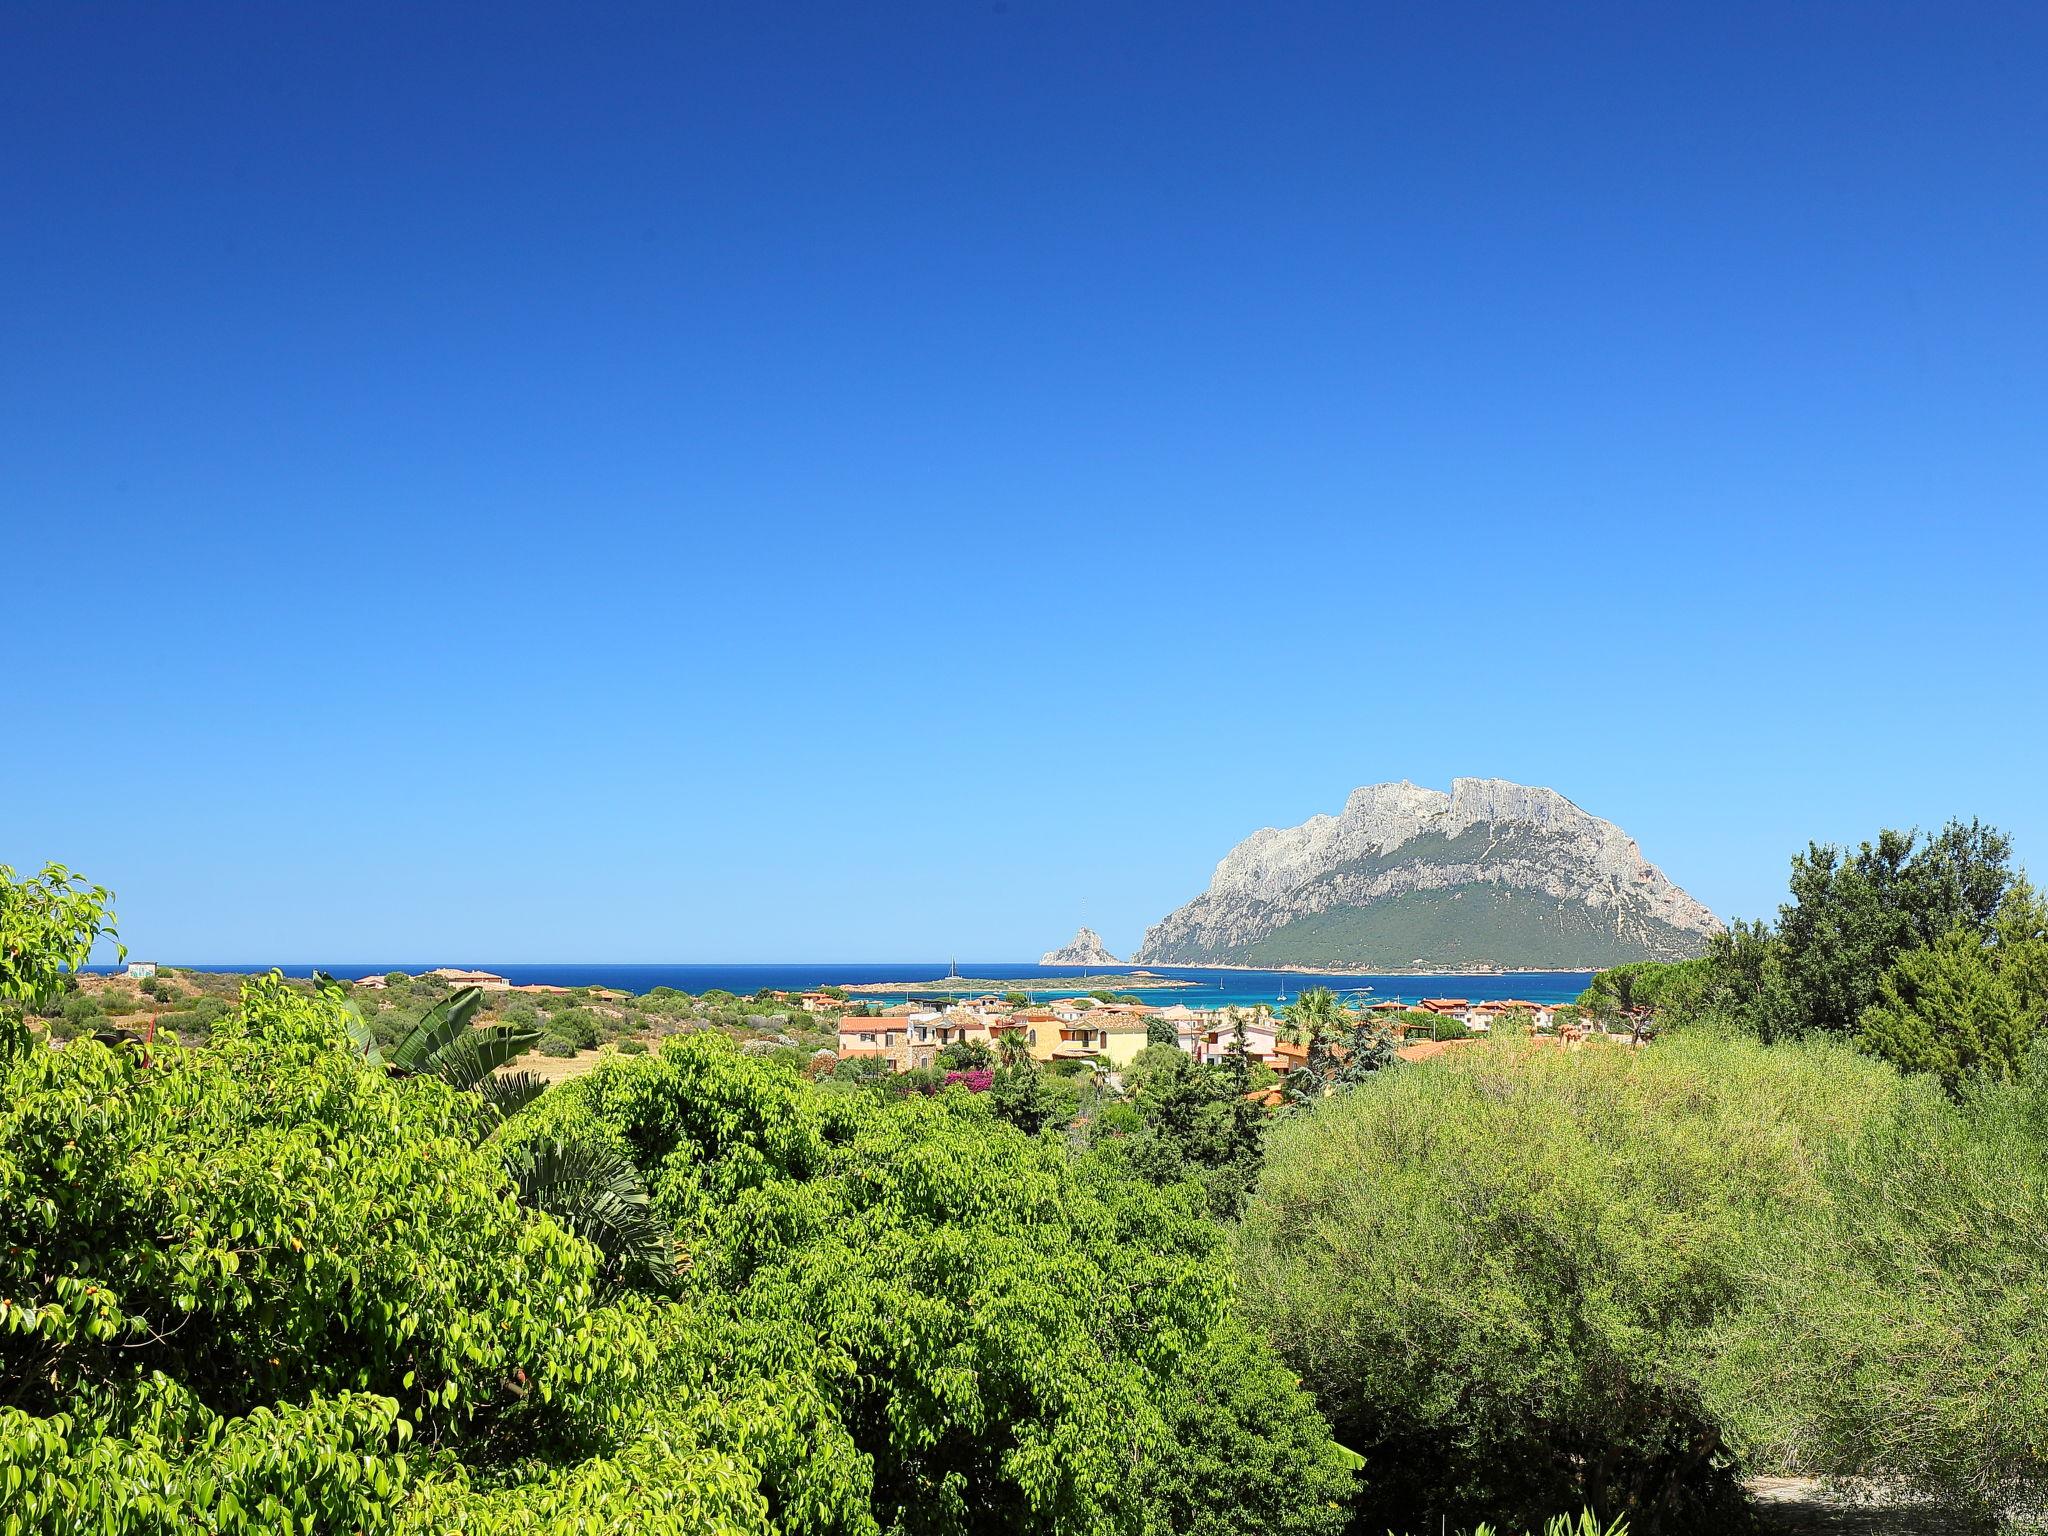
(877, 481)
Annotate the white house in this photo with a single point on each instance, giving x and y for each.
(139, 969)
(1261, 1041)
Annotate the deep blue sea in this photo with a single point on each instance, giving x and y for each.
(1213, 989)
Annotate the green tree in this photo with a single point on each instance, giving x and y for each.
(1314, 1014)
(965, 1056)
(1031, 1099)
(1369, 1049)
(1972, 1003)
(1245, 1450)
(48, 926)
(1189, 1128)
(1852, 914)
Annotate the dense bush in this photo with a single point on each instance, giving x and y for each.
(1902, 1331)
(1502, 1272)
(1185, 1121)
(579, 1027)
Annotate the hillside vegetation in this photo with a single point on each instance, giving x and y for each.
(1799, 1232)
(333, 1263)
(1475, 923)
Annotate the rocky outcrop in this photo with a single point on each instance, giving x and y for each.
(1086, 948)
(1491, 874)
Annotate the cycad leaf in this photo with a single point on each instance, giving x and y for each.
(438, 1026)
(596, 1192)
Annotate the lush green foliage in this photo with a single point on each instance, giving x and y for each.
(48, 926)
(1972, 1003)
(1501, 1272)
(1187, 1121)
(1851, 916)
(1902, 1327)
(1244, 1450)
(265, 1283)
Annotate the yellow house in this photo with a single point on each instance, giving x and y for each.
(1084, 1038)
(1124, 1038)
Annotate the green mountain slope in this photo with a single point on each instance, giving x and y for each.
(1478, 924)
(1491, 874)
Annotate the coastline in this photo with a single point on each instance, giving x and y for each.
(1107, 981)
(1386, 970)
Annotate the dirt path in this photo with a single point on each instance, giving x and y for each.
(1801, 1506)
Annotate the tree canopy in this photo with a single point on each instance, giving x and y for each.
(263, 1281)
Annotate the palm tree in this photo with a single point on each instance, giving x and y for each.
(1315, 1012)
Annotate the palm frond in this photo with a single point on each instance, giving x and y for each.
(438, 1027)
(597, 1193)
(472, 1056)
(510, 1092)
(362, 1038)
(360, 1035)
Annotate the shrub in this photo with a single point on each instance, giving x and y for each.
(82, 1011)
(965, 1056)
(1501, 1271)
(521, 1014)
(1902, 1330)
(196, 1021)
(579, 1026)
(632, 1047)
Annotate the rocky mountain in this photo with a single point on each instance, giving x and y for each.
(1086, 948)
(1491, 874)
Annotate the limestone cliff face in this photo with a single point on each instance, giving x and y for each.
(1492, 873)
(1086, 948)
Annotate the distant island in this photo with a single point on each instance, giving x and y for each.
(1085, 948)
(1491, 876)
(1128, 981)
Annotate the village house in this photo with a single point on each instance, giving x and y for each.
(939, 1030)
(488, 981)
(1261, 1042)
(140, 970)
(888, 1037)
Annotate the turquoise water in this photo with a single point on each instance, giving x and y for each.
(1213, 989)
